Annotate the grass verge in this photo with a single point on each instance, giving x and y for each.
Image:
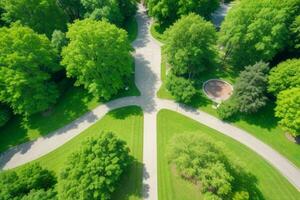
(270, 184)
(157, 32)
(127, 124)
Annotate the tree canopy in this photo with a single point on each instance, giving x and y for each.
(94, 171)
(28, 180)
(287, 109)
(191, 45)
(98, 57)
(250, 88)
(168, 11)
(257, 30)
(27, 60)
(284, 76)
(5, 114)
(43, 16)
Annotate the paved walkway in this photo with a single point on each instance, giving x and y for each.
(147, 59)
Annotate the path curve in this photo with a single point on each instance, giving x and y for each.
(147, 61)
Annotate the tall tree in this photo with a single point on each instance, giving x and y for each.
(257, 30)
(98, 56)
(94, 171)
(250, 88)
(43, 16)
(27, 60)
(191, 45)
(168, 11)
(288, 110)
(284, 76)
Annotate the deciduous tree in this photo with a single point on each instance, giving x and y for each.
(287, 109)
(98, 57)
(27, 60)
(94, 171)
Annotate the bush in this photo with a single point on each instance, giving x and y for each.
(15, 185)
(227, 109)
(94, 171)
(5, 115)
(41, 195)
(182, 89)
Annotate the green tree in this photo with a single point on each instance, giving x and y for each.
(26, 63)
(250, 88)
(58, 40)
(98, 56)
(5, 115)
(216, 179)
(191, 45)
(168, 11)
(72, 8)
(15, 185)
(287, 109)
(228, 109)
(41, 195)
(43, 16)
(182, 89)
(295, 32)
(94, 171)
(284, 76)
(257, 30)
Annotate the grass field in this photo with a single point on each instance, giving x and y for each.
(268, 184)
(262, 125)
(127, 124)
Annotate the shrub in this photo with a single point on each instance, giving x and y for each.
(182, 89)
(227, 109)
(94, 171)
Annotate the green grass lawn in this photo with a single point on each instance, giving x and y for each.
(127, 124)
(74, 102)
(269, 183)
(262, 125)
(157, 31)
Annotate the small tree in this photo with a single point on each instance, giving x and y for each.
(27, 61)
(191, 45)
(98, 57)
(94, 171)
(250, 88)
(287, 109)
(182, 89)
(284, 76)
(228, 108)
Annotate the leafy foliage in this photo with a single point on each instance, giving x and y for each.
(250, 88)
(227, 109)
(197, 159)
(26, 63)
(98, 56)
(182, 89)
(284, 76)
(94, 171)
(191, 45)
(5, 115)
(41, 195)
(295, 32)
(166, 12)
(43, 16)
(257, 30)
(72, 8)
(287, 109)
(29, 180)
(58, 40)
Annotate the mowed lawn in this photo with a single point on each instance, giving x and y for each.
(270, 184)
(127, 124)
(262, 125)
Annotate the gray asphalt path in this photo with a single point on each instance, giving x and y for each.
(147, 59)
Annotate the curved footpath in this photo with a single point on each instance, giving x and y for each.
(147, 69)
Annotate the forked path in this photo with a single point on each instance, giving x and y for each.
(147, 72)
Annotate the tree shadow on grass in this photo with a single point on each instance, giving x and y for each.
(130, 183)
(124, 113)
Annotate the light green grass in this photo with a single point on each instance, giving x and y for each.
(262, 125)
(127, 124)
(157, 32)
(74, 102)
(271, 184)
